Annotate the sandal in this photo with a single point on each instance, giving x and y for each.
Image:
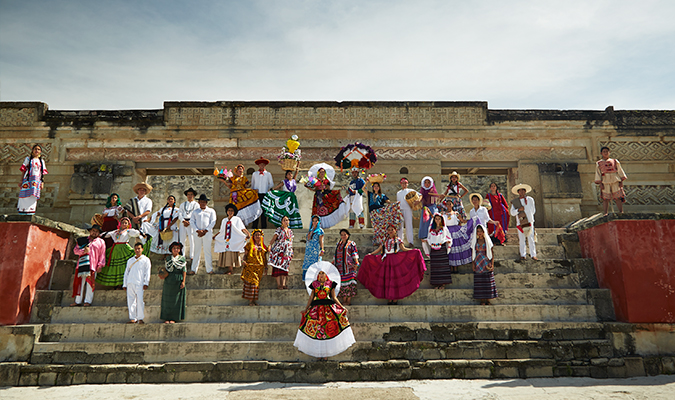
(74, 305)
(86, 305)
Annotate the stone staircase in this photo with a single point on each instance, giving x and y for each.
(547, 321)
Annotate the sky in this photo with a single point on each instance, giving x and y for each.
(539, 54)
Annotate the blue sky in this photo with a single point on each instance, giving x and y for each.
(571, 54)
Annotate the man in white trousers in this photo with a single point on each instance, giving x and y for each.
(523, 209)
(185, 230)
(203, 220)
(406, 211)
(136, 280)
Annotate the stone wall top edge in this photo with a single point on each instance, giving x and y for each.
(279, 104)
(599, 219)
(22, 104)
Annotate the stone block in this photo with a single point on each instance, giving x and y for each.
(96, 377)
(635, 366)
(157, 374)
(116, 377)
(616, 372)
(10, 373)
(80, 378)
(47, 379)
(255, 365)
(28, 379)
(229, 365)
(599, 372)
(668, 365)
(397, 349)
(506, 372)
(64, 378)
(599, 362)
(616, 362)
(424, 335)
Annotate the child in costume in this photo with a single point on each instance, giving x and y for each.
(453, 195)
(484, 287)
(92, 258)
(610, 176)
(136, 281)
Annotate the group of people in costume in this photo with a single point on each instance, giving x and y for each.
(115, 252)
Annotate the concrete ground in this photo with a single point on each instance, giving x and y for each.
(657, 387)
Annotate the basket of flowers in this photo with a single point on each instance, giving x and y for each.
(290, 156)
(376, 178)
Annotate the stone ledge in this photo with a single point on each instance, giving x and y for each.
(23, 374)
(42, 221)
(599, 219)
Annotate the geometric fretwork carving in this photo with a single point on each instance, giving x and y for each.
(18, 116)
(639, 151)
(652, 195)
(15, 153)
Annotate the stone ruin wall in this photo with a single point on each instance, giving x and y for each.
(90, 153)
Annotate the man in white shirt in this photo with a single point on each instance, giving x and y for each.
(136, 280)
(143, 203)
(262, 182)
(523, 209)
(185, 231)
(406, 211)
(203, 220)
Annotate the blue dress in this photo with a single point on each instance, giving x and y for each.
(312, 251)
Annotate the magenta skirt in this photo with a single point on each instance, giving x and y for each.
(396, 277)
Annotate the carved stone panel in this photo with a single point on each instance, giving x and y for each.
(15, 153)
(641, 151)
(653, 195)
(27, 116)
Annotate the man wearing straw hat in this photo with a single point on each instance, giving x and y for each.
(523, 209)
(140, 206)
(262, 182)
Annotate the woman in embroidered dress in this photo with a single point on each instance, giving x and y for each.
(429, 196)
(230, 240)
(484, 287)
(382, 213)
(324, 329)
(499, 210)
(452, 196)
(328, 204)
(32, 182)
(173, 291)
(314, 248)
(242, 196)
(255, 266)
(165, 220)
(437, 245)
(347, 262)
(484, 217)
(461, 231)
(116, 256)
(281, 201)
(281, 253)
(112, 213)
(396, 273)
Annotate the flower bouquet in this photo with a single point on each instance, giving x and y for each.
(223, 173)
(290, 154)
(356, 155)
(376, 178)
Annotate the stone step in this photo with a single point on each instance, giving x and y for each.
(283, 350)
(365, 331)
(298, 297)
(357, 313)
(313, 372)
(460, 280)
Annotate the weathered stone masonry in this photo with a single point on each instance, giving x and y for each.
(90, 153)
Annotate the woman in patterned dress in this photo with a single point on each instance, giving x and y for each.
(281, 253)
(437, 245)
(484, 287)
(174, 293)
(314, 249)
(347, 262)
(116, 256)
(165, 220)
(242, 196)
(255, 266)
(282, 201)
(32, 182)
(328, 204)
(324, 329)
(452, 196)
(499, 210)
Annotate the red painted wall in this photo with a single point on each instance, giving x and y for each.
(636, 260)
(28, 253)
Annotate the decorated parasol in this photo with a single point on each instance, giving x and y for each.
(356, 155)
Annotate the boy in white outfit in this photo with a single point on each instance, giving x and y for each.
(136, 280)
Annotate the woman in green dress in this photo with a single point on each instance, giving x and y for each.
(173, 292)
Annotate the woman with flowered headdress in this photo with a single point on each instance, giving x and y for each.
(116, 256)
(32, 181)
(174, 293)
(242, 196)
(324, 329)
(314, 249)
(394, 273)
(255, 266)
(328, 204)
(281, 253)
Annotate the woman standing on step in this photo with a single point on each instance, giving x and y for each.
(346, 260)
(484, 287)
(281, 253)
(116, 256)
(396, 273)
(460, 252)
(314, 249)
(230, 240)
(282, 201)
(484, 217)
(173, 290)
(453, 195)
(499, 210)
(437, 245)
(324, 329)
(32, 182)
(165, 221)
(255, 266)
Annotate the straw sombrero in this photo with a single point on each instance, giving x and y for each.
(456, 174)
(147, 187)
(480, 198)
(519, 186)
